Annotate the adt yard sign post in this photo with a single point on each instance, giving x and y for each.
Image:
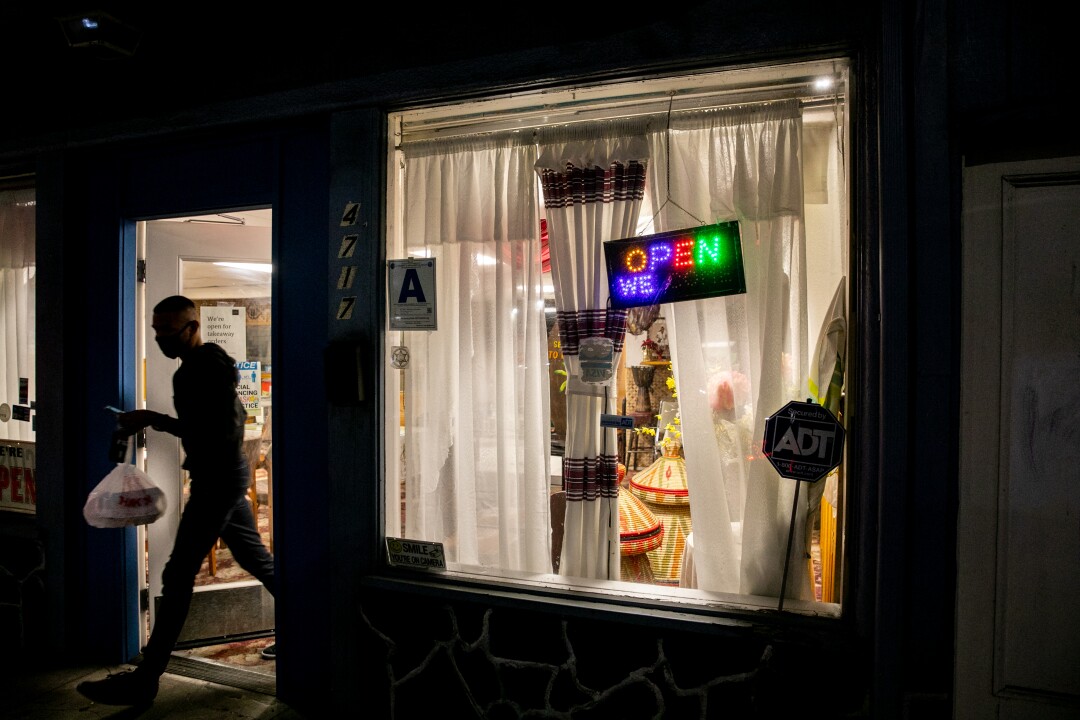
(803, 441)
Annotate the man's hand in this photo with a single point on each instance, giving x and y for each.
(134, 421)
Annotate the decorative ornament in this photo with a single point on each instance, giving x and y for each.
(640, 319)
(399, 357)
(596, 357)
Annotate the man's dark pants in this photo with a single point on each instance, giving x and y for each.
(217, 507)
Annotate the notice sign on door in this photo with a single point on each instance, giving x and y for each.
(18, 490)
(249, 386)
(225, 325)
(411, 289)
(415, 554)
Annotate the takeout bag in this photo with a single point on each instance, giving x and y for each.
(126, 496)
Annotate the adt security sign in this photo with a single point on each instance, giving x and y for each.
(803, 441)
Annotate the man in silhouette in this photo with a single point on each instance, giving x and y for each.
(210, 424)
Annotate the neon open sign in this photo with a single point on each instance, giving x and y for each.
(679, 265)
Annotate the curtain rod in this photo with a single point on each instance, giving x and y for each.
(528, 119)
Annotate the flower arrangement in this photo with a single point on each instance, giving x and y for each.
(672, 443)
(650, 350)
(724, 388)
(729, 396)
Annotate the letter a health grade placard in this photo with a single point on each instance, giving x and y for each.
(411, 289)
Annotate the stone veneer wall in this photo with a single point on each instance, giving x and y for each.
(428, 658)
(22, 598)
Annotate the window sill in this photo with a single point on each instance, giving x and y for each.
(622, 601)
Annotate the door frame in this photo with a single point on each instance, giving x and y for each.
(169, 182)
(218, 613)
(103, 192)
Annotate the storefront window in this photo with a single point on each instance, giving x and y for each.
(503, 424)
(18, 490)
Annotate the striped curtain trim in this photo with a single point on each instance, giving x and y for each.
(590, 478)
(576, 325)
(581, 186)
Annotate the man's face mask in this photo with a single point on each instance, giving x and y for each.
(172, 345)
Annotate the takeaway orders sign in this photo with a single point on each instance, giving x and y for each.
(803, 441)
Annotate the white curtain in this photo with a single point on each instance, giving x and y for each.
(476, 435)
(17, 293)
(739, 358)
(593, 183)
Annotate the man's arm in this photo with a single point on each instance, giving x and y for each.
(134, 421)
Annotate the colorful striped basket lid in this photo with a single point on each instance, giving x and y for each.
(639, 529)
(663, 482)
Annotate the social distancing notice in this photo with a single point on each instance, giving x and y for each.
(249, 386)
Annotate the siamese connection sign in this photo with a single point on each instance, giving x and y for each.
(411, 289)
(803, 441)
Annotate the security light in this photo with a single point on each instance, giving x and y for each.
(100, 32)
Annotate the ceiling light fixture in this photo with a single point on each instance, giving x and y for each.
(100, 32)
(257, 267)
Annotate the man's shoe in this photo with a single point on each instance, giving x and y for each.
(269, 652)
(126, 688)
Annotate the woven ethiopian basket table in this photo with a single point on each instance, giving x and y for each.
(639, 532)
(662, 487)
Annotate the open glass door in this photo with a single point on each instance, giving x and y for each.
(223, 263)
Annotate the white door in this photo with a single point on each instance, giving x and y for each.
(1018, 539)
(185, 257)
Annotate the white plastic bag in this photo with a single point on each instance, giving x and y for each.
(126, 496)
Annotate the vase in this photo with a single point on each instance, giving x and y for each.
(643, 377)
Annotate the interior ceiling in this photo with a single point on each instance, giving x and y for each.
(211, 281)
(207, 281)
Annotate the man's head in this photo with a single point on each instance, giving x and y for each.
(176, 326)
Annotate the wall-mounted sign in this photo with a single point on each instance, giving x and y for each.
(415, 554)
(18, 490)
(411, 287)
(688, 264)
(225, 325)
(249, 386)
